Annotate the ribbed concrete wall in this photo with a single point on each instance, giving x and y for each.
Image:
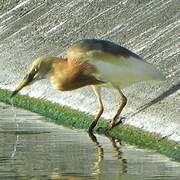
(29, 28)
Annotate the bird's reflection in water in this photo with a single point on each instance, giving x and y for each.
(116, 144)
(117, 147)
(100, 153)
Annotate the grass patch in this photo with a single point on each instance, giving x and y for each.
(74, 119)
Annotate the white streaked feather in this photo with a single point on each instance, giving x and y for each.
(127, 72)
(122, 71)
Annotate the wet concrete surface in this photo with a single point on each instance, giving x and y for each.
(30, 28)
(32, 148)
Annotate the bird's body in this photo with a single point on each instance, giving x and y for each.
(113, 63)
(93, 62)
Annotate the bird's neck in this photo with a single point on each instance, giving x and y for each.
(70, 75)
(59, 61)
(59, 66)
(61, 73)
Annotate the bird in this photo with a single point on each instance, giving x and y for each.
(94, 63)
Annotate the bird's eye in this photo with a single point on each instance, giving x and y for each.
(35, 70)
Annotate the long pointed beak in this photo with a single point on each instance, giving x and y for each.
(26, 81)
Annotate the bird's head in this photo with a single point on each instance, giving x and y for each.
(38, 70)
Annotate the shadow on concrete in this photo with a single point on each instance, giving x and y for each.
(165, 94)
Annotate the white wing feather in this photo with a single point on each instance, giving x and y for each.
(127, 72)
(122, 71)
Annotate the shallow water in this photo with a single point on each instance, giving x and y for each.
(35, 149)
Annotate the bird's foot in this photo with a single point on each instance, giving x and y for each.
(101, 130)
(113, 124)
(121, 120)
(110, 126)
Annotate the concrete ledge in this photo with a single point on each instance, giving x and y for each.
(74, 119)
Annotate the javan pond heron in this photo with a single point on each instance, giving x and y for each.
(94, 63)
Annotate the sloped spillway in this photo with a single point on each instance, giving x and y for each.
(30, 28)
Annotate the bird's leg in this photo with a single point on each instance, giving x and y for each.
(114, 122)
(97, 91)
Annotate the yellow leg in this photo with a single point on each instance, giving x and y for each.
(97, 90)
(114, 122)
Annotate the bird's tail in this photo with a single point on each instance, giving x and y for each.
(142, 70)
(152, 73)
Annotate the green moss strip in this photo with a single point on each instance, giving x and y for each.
(74, 119)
